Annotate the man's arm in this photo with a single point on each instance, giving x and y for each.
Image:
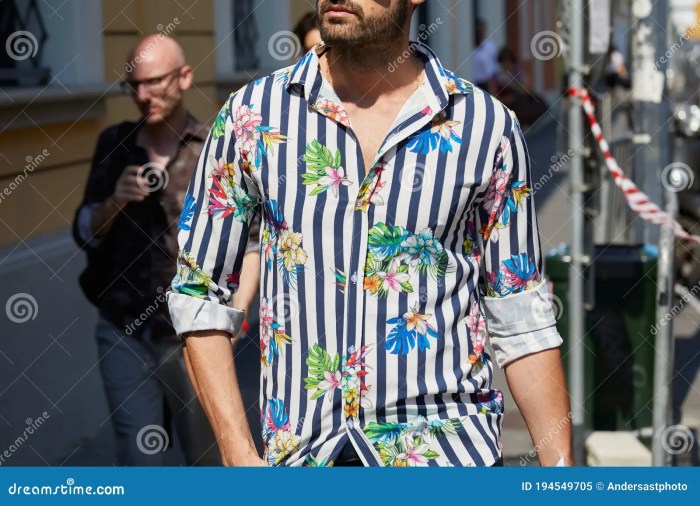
(519, 315)
(210, 365)
(214, 229)
(131, 187)
(250, 271)
(539, 389)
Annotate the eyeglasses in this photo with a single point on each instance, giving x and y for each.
(131, 87)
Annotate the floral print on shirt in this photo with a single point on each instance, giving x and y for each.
(281, 245)
(190, 279)
(503, 195)
(409, 444)
(280, 440)
(324, 169)
(395, 255)
(325, 376)
(227, 197)
(272, 334)
(253, 139)
(410, 329)
(440, 134)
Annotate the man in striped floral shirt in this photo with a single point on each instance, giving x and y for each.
(388, 188)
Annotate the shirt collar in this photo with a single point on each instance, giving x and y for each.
(441, 81)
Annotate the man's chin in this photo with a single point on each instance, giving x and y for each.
(152, 118)
(341, 36)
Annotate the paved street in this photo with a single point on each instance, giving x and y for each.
(48, 363)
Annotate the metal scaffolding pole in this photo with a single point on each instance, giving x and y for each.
(653, 145)
(576, 267)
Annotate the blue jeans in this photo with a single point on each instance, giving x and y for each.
(151, 398)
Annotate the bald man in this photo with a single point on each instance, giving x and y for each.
(128, 224)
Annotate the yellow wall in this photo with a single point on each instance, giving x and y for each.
(46, 201)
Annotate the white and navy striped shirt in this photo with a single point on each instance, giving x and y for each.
(372, 322)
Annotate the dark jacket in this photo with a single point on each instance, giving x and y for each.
(130, 268)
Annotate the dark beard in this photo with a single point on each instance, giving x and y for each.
(363, 32)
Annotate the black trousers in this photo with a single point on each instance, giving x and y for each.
(349, 458)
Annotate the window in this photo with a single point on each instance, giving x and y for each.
(50, 43)
(51, 62)
(252, 37)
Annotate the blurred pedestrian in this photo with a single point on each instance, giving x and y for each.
(307, 31)
(485, 57)
(128, 223)
(508, 85)
(616, 71)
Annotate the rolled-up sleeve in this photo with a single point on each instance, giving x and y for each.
(215, 225)
(517, 306)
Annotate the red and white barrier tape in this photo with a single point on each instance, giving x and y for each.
(638, 201)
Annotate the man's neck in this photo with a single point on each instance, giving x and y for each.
(365, 74)
(166, 133)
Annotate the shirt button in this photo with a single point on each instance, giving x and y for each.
(358, 203)
(353, 278)
(351, 423)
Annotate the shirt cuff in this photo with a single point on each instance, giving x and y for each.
(85, 225)
(521, 324)
(190, 314)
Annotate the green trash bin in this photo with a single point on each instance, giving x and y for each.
(620, 331)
